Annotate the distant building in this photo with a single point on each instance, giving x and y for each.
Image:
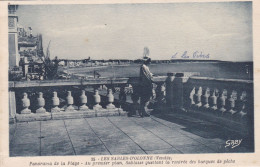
(14, 57)
(25, 50)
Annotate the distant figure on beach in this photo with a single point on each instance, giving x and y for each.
(96, 74)
(146, 87)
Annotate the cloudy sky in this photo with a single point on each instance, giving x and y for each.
(222, 30)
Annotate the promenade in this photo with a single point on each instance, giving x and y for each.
(159, 134)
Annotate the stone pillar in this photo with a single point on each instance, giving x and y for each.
(14, 56)
(169, 89)
(12, 106)
(177, 92)
(174, 91)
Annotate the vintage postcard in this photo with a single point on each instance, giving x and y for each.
(133, 83)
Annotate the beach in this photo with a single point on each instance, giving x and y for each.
(230, 70)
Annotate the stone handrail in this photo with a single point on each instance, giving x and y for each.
(228, 103)
(29, 97)
(77, 82)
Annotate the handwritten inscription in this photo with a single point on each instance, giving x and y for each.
(233, 143)
(194, 55)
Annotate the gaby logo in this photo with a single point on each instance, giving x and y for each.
(233, 143)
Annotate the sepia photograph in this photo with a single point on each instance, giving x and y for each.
(130, 79)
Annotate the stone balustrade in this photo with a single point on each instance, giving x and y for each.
(225, 102)
(228, 103)
(56, 110)
(60, 99)
(229, 99)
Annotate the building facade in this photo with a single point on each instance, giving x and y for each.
(14, 56)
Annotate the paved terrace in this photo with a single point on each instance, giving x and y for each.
(118, 135)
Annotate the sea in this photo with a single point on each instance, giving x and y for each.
(226, 70)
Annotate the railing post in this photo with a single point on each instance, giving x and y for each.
(169, 90)
(178, 99)
(12, 106)
(174, 91)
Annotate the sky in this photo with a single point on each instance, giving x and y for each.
(222, 31)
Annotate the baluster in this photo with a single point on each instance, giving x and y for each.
(110, 97)
(55, 103)
(97, 101)
(169, 89)
(231, 104)
(192, 95)
(70, 102)
(41, 104)
(241, 105)
(198, 97)
(222, 102)
(213, 100)
(205, 99)
(83, 101)
(26, 104)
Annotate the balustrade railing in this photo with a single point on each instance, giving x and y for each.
(225, 98)
(43, 100)
(228, 103)
(225, 102)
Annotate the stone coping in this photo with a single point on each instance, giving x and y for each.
(104, 81)
(73, 114)
(222, 79)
